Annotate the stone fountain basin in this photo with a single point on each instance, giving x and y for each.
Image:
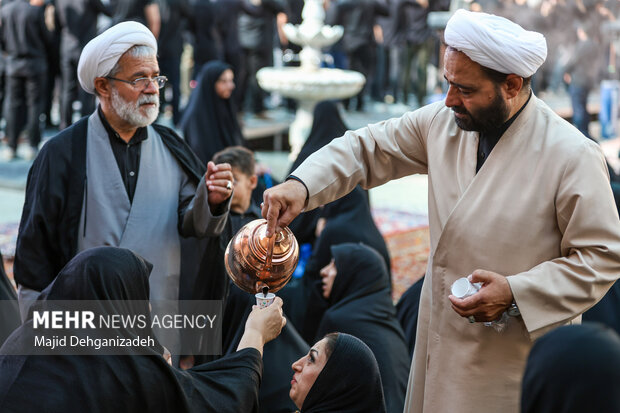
(312, 85)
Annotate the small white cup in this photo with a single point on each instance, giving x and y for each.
(463, 288)
(263, 301)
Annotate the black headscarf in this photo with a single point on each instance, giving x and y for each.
(9, 312)
(209, 123)
(326, 125)
(360, 304)
(573, 369)
(349, 382)
(607, 311)
(407, 311)
(139, 383)
(348, 220)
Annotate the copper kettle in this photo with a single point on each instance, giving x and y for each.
(256, 263)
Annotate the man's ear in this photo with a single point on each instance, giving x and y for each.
(513, 85)
(253, 181)
(102, 86)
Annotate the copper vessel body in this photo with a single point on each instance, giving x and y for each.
(247, 262)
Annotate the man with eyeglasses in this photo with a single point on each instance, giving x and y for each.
(115, 178)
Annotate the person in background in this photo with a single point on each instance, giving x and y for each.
(209, 123)
(339, 374)
(25, 39)
(115, 178)
(115, 281)
(512, 190)
(573, 369)
(78, 25)
(174, 15)
(353, 297)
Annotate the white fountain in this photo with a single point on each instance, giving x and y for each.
(309, 83)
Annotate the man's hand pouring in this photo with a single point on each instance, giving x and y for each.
(282, 203)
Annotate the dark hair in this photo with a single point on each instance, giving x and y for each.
(330, 343)
(238, 157)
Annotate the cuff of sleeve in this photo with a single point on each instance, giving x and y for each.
(303, 183)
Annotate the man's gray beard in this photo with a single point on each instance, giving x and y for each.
(130, 112)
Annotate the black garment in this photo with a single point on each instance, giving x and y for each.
(607, 311)
(65, 383)
(489, 139)
(360, 304)
(78, 25)
(326, 125)
(279, 353)
(9, 315)
(358, 18)
(25, 39)
(25, 95)
(573, 369)
(202, 26)
(407, 310)
(349, 382)
(348, 220)
(209, 122)
(174, 14)
(127, 154)
(130, 10)
(256, 37)
(48, 229)
(227, 29)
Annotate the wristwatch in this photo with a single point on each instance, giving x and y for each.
(513, 310)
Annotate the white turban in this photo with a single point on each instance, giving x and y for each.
(103, 52)
(495, 42)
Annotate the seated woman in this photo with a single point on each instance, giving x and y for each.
(339, 374)
(209, 122)
(354, 297)
(573, 369)
(115, 279)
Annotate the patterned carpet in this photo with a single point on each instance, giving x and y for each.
(407, 237)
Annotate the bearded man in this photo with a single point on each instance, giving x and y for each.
(115, 178)
(518, 198)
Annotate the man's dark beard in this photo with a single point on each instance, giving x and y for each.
(485, 119)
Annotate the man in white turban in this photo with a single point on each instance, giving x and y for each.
(512, 190)
(115, 178)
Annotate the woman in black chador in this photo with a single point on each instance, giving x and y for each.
(573, 369)
(117, 281)
(353, 296)
(209, 122)
(338, 375)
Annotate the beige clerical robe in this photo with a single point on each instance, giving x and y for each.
(540, 211)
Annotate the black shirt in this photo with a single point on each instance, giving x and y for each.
(127, 154)
(488, 140)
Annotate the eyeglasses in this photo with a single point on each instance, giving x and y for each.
(143, 82)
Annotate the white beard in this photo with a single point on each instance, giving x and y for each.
(130, 112)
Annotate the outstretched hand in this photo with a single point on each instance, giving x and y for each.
(263, 325)
(490, 302)
(219, 181)
(282, 203)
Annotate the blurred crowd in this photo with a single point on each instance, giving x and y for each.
(389, 41)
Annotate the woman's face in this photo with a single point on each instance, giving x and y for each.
(328, 275)
(306, 370)
(225, 84)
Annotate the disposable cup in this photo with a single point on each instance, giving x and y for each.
(263, 300)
